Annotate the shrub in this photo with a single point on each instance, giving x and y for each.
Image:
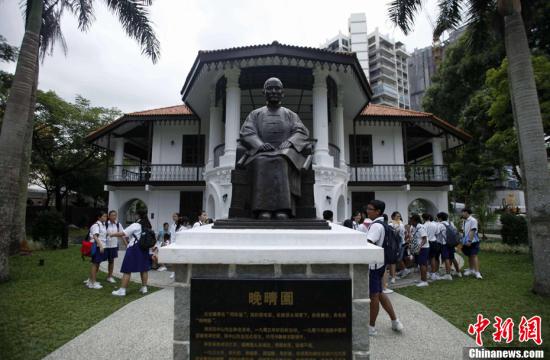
(48, 228)
(514, 229)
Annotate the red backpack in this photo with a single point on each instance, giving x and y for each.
(87, 246)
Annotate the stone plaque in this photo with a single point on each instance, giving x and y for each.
(270, 319)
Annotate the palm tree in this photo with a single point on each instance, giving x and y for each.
(525, 105)
(42, 30)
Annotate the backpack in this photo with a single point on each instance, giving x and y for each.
(391, 244)
(86, 247)
(147, 239)
(452, 236)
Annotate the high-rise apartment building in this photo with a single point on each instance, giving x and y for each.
(423, 65)
(383, 60)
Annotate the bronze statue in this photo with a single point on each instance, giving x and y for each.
(275, 140)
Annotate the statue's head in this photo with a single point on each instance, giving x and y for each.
(273, 91)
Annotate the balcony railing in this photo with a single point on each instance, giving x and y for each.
(155, 173)
(399, 173)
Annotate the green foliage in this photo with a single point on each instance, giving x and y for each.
(461, 73)
(484, 215)
(48, 228)
(44, 307)
(503, 144)
(62, 160)
(8, 53)
(514, 229)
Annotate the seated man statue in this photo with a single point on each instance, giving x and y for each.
(275, 139)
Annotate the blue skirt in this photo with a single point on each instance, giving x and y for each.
(135, 260)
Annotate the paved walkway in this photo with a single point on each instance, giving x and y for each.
(143, 330)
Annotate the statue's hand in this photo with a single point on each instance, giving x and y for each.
(285, 145)
(266, 147)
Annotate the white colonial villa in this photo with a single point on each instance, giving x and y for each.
(179, 159)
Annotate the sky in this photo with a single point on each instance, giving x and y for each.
(105, 66)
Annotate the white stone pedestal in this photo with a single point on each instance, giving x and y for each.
(271, 254)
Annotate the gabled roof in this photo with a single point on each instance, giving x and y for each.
(275, 49)
(375, 111)
(169, 112)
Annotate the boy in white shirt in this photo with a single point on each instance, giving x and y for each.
(470, 243)
(435, 247)
(375, 235)
(447, 252)
(420, 248)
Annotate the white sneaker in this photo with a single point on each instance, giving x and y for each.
(446, 277)
(94, 285)
(86, 282)
(478, 276)
(143, 290)
(435, 277)
(396, 325)
(111, 280)
(119, 292)
(422, 284)
(372, 331)
(172, 275)
(392, 280)
(468, 272)
(387, 291)
(162, 268)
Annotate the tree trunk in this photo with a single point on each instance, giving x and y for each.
(19, 233)
(14, 130)
(528, 121)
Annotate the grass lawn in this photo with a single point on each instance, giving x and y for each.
(43, 307)
(505, 291)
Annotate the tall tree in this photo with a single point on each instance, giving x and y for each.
(525, 106)
(42, 30)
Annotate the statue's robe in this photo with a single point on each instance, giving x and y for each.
(275, 175)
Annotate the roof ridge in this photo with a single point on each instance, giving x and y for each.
(156, 109)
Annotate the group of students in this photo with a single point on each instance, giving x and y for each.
(422, 240)
(106, 233)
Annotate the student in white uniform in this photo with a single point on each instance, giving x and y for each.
(470, 243)
(135, 259)
(420, 248)
(112, 244)
(98, 234)
(174, 225)
(375, 235)
(203, 216)
(435, 247)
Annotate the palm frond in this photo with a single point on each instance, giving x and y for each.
(482, 19)
(50, 32)
(84, 10)
(402, 13)
(449, 16)
(134, 18)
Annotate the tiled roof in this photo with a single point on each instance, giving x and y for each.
(384, 110)
(375, 110)
(170, 110)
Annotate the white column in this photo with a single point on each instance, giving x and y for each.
(437, 158)
(320, 119)
(215, 129)
(232, 117)
(338, 120)
(119, 158)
